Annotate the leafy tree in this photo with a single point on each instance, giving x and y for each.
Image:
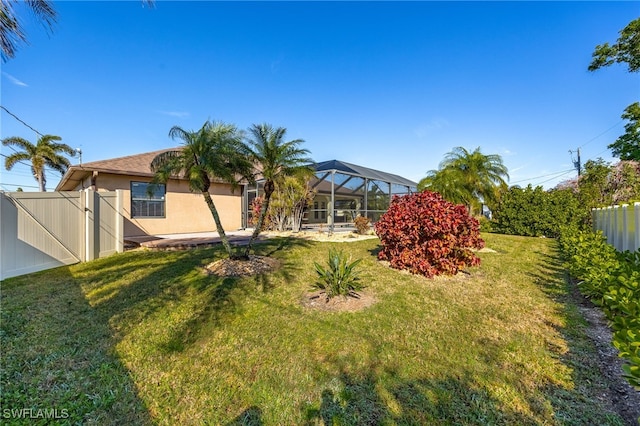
(45, 153)
(627, 146)
(469, 178)
(275, 159)
(11, 29)
(592, 185)
(215, 152)
(625, 50)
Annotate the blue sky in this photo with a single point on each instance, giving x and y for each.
(389, 85)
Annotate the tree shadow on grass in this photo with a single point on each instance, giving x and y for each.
(60, 328)
(58, 353)
(252, 416)
(223, 297)
(372, 397)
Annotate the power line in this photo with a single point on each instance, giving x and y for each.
(556, 177)
(596, 137)
(20, 120)
(562, 172)
(19, 186)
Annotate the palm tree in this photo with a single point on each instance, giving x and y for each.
(11, 28)
(275, 159)
(445, 183)
(215, 152)
(470, 178)
(45, 153)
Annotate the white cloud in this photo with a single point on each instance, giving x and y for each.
(14, 80)
(178, 114)
(426, 128)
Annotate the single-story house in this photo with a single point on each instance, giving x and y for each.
(343, 191)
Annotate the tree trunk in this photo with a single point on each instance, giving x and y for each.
(216, 219)
(41, 182)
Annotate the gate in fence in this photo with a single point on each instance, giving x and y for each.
(43, 230)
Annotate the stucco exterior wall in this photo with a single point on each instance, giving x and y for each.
(185, 212)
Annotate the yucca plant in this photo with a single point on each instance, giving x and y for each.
(340, 278)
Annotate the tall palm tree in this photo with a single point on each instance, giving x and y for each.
(470, 178)
(11, 28)
(45, 153)
(275, 159)
(215, 152)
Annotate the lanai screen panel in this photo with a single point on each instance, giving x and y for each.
(378, 198)
(349, 196)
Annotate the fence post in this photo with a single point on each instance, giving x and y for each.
(625, 229)
(119, 222)
(636, 221)
(616, 226)
(89, 228)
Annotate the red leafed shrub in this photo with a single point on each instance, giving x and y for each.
(427, 235)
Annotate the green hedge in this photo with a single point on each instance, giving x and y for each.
(611, 280)
(534, 212)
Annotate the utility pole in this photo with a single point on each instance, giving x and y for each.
(576, 163)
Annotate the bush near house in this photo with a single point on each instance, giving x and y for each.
(427, 235)
(362, 224)
(611, 280)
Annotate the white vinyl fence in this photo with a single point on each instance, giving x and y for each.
(620, 224)
(43, 230)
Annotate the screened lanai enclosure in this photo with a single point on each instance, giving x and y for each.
(343, 191)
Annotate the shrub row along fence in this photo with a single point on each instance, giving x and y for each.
(620, 224)
(43, 230)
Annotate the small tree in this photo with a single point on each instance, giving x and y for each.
(291, 197)
(275, 158)
(213, 153)
(427, 235)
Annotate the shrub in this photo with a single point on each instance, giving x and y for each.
(427, 235)
(340, 278)
(612, 280)
(256, 210)
(362, 224)
(534, 212)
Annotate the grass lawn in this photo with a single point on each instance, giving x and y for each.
(146, 337)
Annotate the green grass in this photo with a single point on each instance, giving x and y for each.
(146, 337)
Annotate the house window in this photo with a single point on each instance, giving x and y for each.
(147, 200)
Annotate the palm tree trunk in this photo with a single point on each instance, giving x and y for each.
(258, 228)
(216, 219)
(41, 182)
